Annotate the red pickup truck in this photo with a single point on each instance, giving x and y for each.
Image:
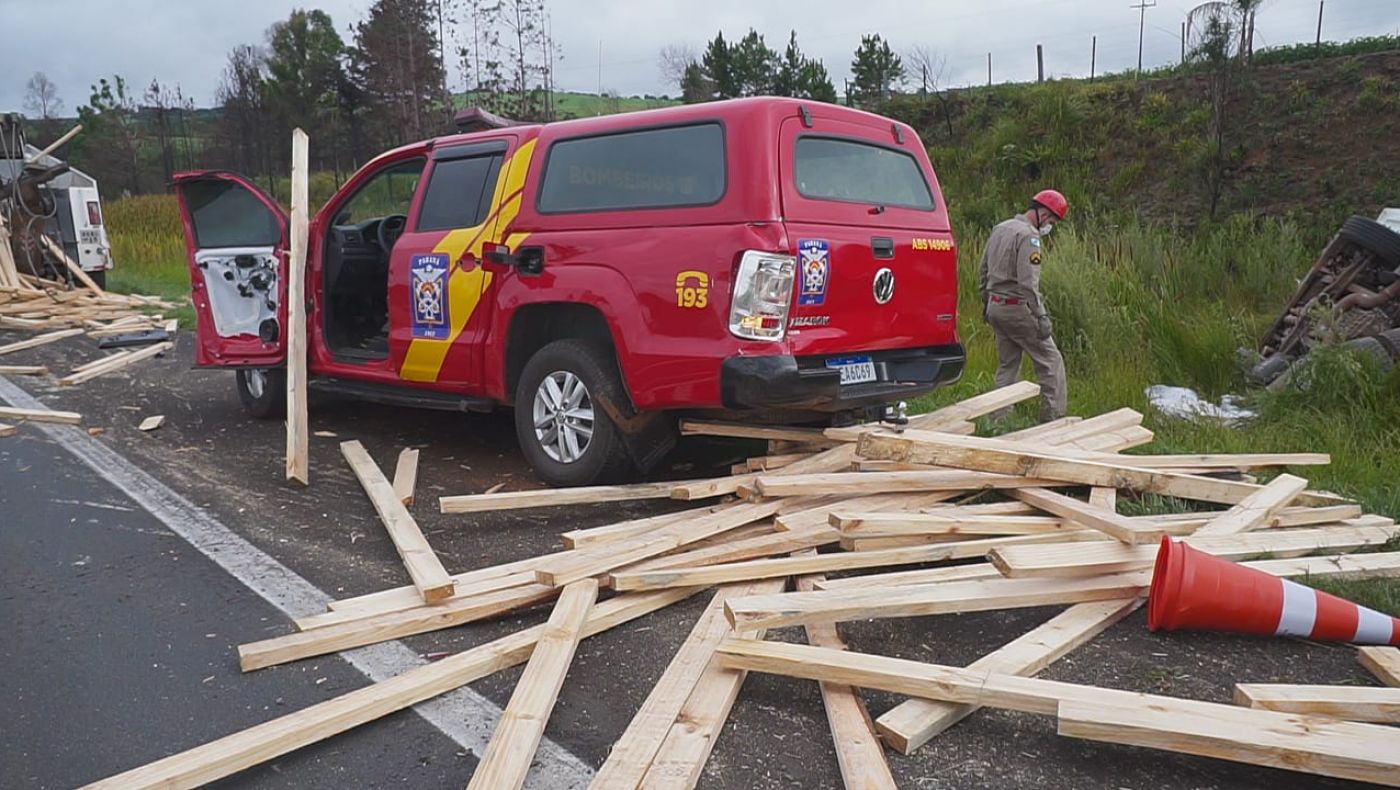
(763, 259)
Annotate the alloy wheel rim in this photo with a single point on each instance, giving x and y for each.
(256, 380)
(563, 416)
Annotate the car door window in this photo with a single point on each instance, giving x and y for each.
(388, 192)
(457, 193)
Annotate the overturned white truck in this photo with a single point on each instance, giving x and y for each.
(1351, 296)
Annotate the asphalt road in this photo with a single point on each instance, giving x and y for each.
(108, 664)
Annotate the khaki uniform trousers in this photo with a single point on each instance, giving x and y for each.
(1018, 332)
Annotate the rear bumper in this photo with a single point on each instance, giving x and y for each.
(806, 383)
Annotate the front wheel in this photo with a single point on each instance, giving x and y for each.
(263, 391)
(562, 406)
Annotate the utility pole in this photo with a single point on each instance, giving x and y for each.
(1318, 42)
(1039, 64)
(1142, 7)
(1183, 42)
(989, 69)
(600, 78)
(1093, 56)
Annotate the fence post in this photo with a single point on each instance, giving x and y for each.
(1039, 64)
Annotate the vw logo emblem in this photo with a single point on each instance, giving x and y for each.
(884, 286)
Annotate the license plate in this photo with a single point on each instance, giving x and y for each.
(854, 370)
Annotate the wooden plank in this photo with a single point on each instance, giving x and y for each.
(1087, 559)
(406, 475)
(820, 563)
(73, 268)
(422, 563)
(151, 423)
(23, 370)
(909, 725)
(951, 573)
(406, 599)
(1256, 509)
(579, 538)
(858, 483)
(370, 630)
(271, 739)
(555, 497)
(1383, 662)
(40, 415)
(1277, 740)
(940, 524)
(775, 611)
(298, 421)
(1245, 461)
(745, 431)
(971, 452)
(116, 362)
(1086, 515)
(606, 557)
(39, 340)
(1332, 748)
(1351, 703)
(7, 430)
(819, 516)
(705, 489)
(1378, 565)
(633, 752)
(512, 747)
(859, 754)
(753, 547)
(764, 463)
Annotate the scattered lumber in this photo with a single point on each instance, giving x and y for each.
(1088, 515)
(40, 415)
(298, 421)
(1257, 508)
(23, 370)
(39, 340)
(518, 734)
(1087, 560)
(422, 563)
(1352, 703)
(276, 737)
(151, 423)
(1383, 662)
(744, 431)
(406, 475)
(1347, 750)
(632, 754)
(116, 362)
(554, 497)
(7, 430)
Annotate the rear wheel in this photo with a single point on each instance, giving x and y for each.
(263, 391)
(1383, 242)
(562, 406)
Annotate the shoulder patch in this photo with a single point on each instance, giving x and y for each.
(1035, 258)
(1035, 241)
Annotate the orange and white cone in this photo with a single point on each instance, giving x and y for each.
(1193, 589)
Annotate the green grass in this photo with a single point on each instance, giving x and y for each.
(148, 249)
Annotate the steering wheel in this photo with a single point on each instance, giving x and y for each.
(390, 229)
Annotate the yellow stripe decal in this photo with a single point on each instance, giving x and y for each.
(424, 358)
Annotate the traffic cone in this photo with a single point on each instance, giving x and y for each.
(1193, 589)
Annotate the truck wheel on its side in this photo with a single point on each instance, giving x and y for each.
(564, 431)
(263, 391)
(1368, 234)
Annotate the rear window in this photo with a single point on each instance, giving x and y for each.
(849, 171)
(457, 189)
(227, 214)
(652, 168)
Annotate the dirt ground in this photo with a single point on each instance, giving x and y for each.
(777, 736)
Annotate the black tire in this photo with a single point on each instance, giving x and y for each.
(1368, 234)
(263, 391)
(554, 450)
(99, 277)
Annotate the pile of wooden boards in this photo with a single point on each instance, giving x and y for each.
(1032, 518)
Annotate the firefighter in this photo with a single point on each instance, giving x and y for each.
(1011, 302)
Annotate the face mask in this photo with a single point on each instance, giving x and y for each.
(1045, 229)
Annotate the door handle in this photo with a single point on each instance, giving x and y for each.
(882, 247)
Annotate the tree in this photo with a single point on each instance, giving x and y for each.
(930, 69)
(109, 126)
(874, 72)
(163, 104)
(396, 65)
(673, 61)
(754, 65)
(1214, 52)
(801, 77)
(718, 62)
(242, 128)
(304, 66)
(41, 97)
(696, 85)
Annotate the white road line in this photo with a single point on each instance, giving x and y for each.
(463, 715)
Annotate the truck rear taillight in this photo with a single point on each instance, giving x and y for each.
(762, 296)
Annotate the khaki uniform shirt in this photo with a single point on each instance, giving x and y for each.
(1011, 264)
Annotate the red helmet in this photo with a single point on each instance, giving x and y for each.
(1052, 201)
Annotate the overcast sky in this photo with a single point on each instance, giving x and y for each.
(187, 41)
